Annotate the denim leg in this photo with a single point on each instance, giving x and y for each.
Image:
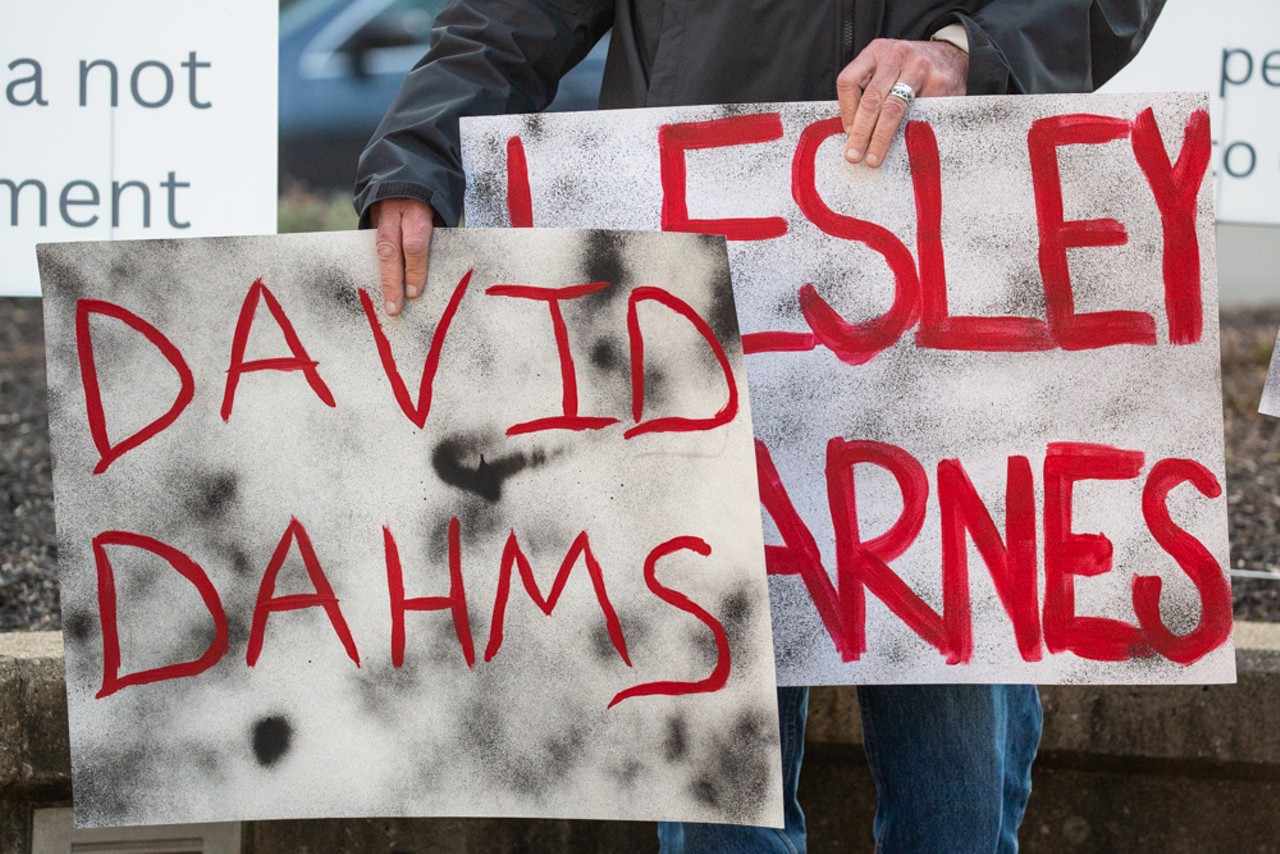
(1022, 737)
(681, 837)
(951, 763)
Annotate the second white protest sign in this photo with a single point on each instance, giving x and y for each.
(985, 377)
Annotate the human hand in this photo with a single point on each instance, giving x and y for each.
(870, 114)
(403, 241)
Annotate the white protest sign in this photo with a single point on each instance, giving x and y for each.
(1270, 404)
(134, 118)
(1230, 49)
(500, 555)
(1009, 333)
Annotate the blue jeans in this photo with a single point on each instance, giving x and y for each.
(951, 764)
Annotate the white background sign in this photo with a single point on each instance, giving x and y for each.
(1230, 49)
(187, 150)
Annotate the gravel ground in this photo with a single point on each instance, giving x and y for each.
(1253, 460)
(28, 550)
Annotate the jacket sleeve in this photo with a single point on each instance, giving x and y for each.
(1040, 46)
(486, 57)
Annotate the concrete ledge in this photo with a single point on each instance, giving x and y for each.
(1232, 727)
(1121, 768)
(35, 760)
(33, 712)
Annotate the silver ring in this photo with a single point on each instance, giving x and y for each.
(903, 91)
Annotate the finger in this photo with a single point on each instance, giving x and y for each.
(850, 81)
(869, 107)
(390, 259)
(415, 242)
(914, 74)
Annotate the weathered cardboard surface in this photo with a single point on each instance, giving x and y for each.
(603, 170)
(305, 732)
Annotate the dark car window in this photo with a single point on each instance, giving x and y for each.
(341, 64)
(400, 24)
(369, 38)
(296, 14)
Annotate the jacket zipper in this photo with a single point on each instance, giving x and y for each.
(846, 30)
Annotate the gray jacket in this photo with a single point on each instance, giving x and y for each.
(506, 56)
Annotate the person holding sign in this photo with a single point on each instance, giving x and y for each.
(951, 762)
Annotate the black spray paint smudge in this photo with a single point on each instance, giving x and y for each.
(604, 260)
(676, 743)
(452, 463)
(603, 355)
(213, 495)
(340, 287)
(730, 766)
(239, 560)
(722, 314)
(271, 737)
(79, 626)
